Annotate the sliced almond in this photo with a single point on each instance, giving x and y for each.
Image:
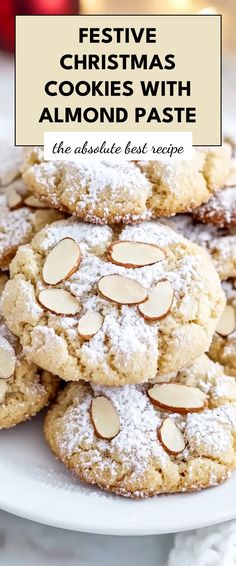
(59, 301)
(89, 324)
(14, 199)
(171, 437)
(33, 202)
(122, 290)
(62, 261)
(105, 419)
(159, 301)
(134, 254)
(227, 322)
(177, 398)
(7, 359)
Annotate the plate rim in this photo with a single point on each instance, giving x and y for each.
(38, 487)
(58, 524)
(45, 515)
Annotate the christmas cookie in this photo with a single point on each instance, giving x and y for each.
(24, 388)
(21, 216)
(220, 210)
(223, 346)
(143, 440)
(112, 306)
(220, 244)
(124, 192)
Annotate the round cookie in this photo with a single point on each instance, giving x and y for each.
(117, 439)
(220, 210)
(104, 192)
(220, 244)
(223, 346)
(24, 388)
(19, 222)
(122, 339)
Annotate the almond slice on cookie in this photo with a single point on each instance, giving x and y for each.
(14, 199)
(227, 322)
(62, 261)
(33, 202)
(89, 324)
(122, 290)
(159, 301)
(134, 254)
(177, 398)
(7, 359)
(171, 437)
(104, 417)
(59, 301)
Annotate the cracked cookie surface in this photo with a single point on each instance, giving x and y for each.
(135, 463)
(124, 192)
(126, 348)
(220, 244)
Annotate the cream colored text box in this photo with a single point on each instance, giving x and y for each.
(194, 41)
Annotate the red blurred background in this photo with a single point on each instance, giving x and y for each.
(9, 8)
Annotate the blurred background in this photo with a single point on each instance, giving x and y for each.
(9, 8)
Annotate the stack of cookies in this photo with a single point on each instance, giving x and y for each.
(121, 299)
(24, 388)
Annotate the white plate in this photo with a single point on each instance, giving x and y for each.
(36, 486)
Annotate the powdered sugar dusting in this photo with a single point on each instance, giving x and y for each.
(210, 432)
(99, 175)
(221, 244)
(16, 226)
(150, 232)
(171, 175)
(136, 446)
(126, 346)
(202, 234)
(91, 238)
(136, 442)
(199, 233)
(220, 209)
(227, 198)
(125, 331)
(99, 191)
